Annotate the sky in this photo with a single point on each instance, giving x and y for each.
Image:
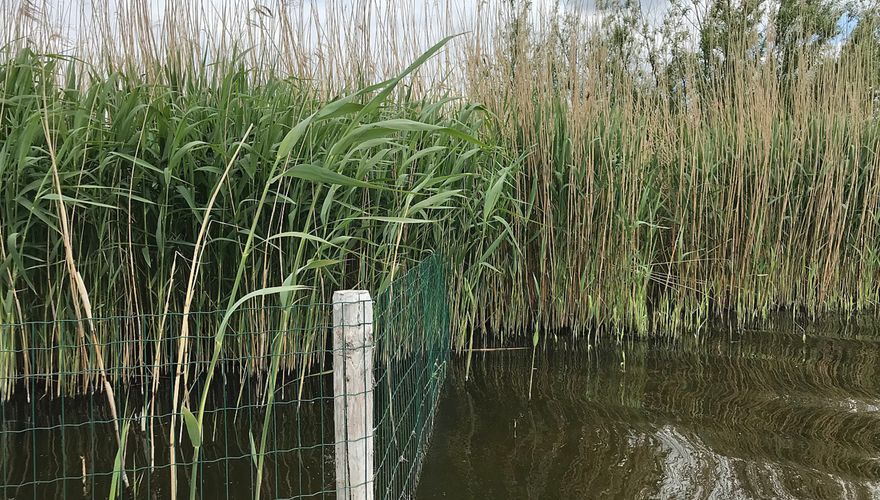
(322, 25)
(64, 14)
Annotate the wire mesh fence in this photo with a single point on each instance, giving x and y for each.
(78, 421)
(412, 354)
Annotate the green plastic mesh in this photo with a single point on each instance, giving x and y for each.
(412, 347)
(57, 437)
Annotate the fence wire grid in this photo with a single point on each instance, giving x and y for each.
(58, 436)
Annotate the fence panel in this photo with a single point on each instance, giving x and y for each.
(58, 430)
(412, 353)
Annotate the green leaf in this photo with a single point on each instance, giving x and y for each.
(178, 154)
(137, 161)
(37, 212)
(318, 264)
(494, 193)
(366, 136)
(7, 305)
(396, 220)
(115, 490)
(339, 108)
(315, 173)
(15, 256)
(76, 201)
(406, 125)
(187, 196)
(284, 296)
(371, 131)
(292, 138)
(418, 155)
(145, 251)
(301, 235)
(434, 201)
(272, 290)
(491, 249)
(192, 427)
(328, 202)
(253, 447)
(389, 87)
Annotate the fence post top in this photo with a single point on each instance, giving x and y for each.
(350, 296)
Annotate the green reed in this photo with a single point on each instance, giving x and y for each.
(145, 186)
(582, 192)
(361, 191)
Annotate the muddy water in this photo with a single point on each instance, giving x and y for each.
(783, 413)
(65, 447)
(780, 413)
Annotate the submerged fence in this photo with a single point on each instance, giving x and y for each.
(349, 413)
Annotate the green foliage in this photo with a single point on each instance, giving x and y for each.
(627, 179)
(116, 481)
(580, 192)
(352, 190)
(193, 429)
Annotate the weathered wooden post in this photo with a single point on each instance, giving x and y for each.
(353, 393)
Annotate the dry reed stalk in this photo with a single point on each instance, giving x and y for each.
(182, 368)
(78, 290)
(157, 360)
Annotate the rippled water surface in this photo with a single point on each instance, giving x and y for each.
(786, 413)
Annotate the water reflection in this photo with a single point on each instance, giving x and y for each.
(787, 413)
(64, 447)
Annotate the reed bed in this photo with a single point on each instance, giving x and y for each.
(138, 163)
(574, 178)
(183, 188)
(729, 191)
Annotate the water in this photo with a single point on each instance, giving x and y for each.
(782, 413)
(65, 447)
(786, 413)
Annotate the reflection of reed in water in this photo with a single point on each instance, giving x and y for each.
(48, 446)
(63, 384)
(759, 414)
(49, 352)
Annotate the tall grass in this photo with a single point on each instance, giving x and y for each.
(666, 198)
(357, 197)
(580, 176)
(148, 195)
(601, 184)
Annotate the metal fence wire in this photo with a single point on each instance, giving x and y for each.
(60, 436)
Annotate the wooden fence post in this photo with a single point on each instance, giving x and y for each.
(353, 393)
